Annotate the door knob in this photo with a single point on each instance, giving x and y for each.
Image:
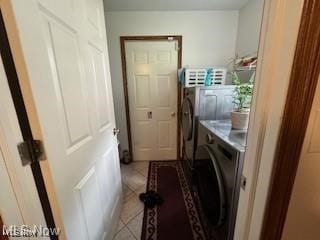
(173, 114)
(116, 131)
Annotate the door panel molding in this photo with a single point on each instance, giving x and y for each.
(97, 58)
(77, 127)
(142, 58)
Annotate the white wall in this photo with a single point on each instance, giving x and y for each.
(209, 38)
(250, 17)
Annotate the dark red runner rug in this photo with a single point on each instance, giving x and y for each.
(177, 217)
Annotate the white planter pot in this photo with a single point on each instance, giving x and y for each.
(240, 120)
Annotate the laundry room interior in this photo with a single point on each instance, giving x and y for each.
(183, 77)
(159, 119)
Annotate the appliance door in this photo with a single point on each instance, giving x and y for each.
(210, 186)
(187, 119)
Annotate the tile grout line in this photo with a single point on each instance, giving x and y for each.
(134, 192)
(132, 220)
(120, 228)
(140, 171)
(133, 217)
(131, 189)
(136, 188)
(131, 232)
(128, 187)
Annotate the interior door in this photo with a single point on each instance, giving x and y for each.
(152, 88)
(19, 201)
(65, 51)
(302, 221)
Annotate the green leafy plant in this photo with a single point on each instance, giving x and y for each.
(242, 94)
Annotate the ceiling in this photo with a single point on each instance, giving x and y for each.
(173, 5)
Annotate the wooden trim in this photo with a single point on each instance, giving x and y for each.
(123, 39)
(303, 82)
(2, 237)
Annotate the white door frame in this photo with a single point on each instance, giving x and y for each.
(279, 34)
(123, 40)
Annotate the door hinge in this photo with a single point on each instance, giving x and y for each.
(31, 151)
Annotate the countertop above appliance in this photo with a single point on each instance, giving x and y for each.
(223, 130)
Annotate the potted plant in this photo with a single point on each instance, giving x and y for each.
(242, 100)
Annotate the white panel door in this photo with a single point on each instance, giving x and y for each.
(19, 201)
(302, 220)
(152, 89)
(65, 49)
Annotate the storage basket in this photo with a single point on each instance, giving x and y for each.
(197, 76)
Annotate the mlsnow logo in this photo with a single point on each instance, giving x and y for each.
(29, 231)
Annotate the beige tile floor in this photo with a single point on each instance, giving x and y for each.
(134, 180)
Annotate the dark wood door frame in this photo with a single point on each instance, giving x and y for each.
(2, 236)
(302, 86)
(123, 40)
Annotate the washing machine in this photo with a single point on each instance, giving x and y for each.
(217, 175)
(203, 103)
